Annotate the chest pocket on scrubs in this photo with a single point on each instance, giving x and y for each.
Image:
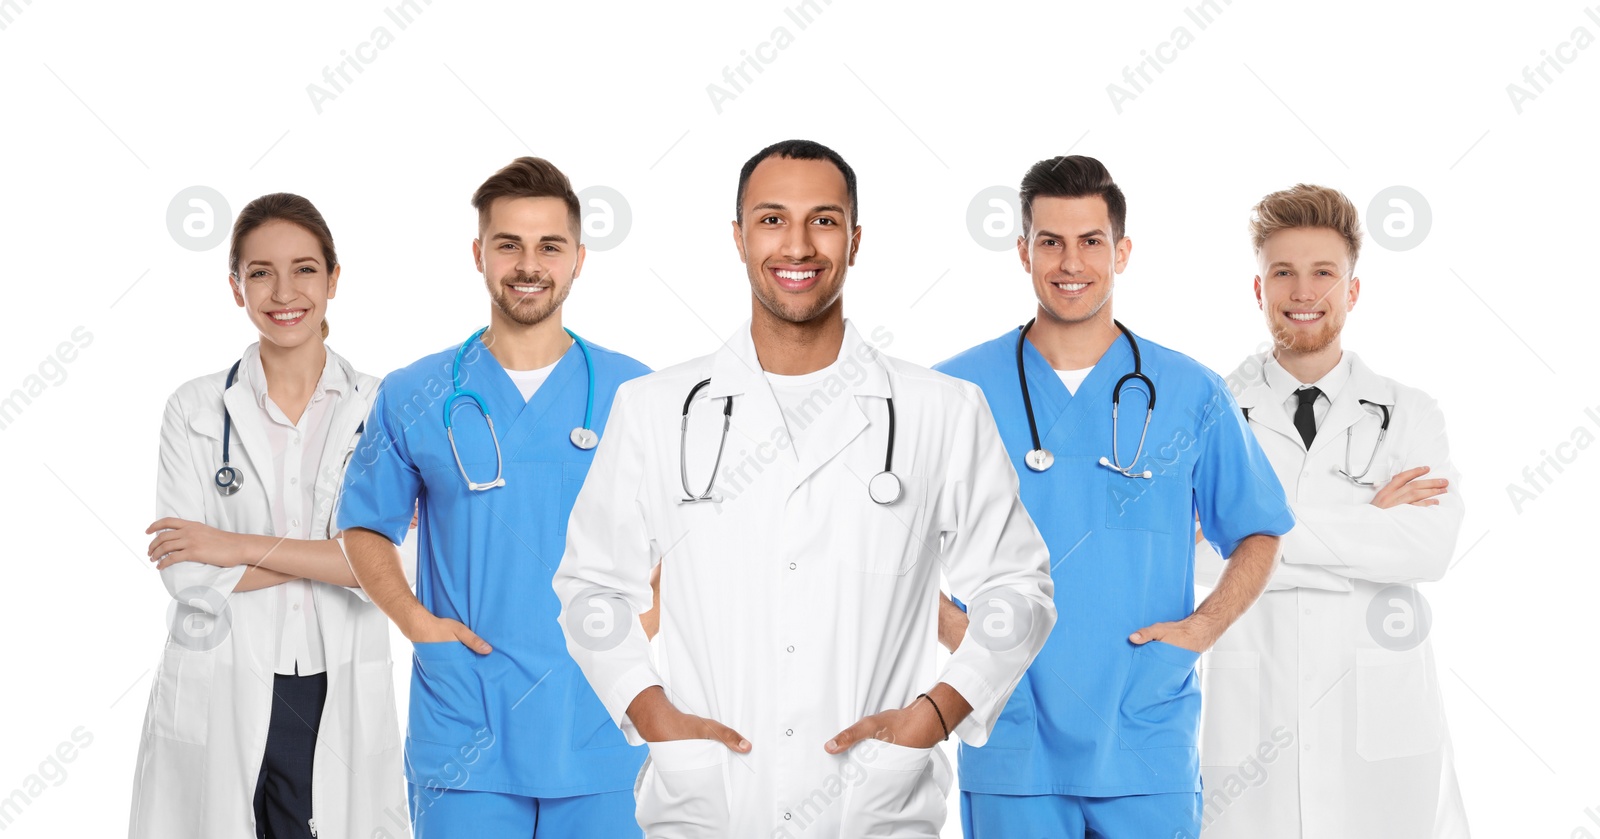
(1162, 503)
(890, 538)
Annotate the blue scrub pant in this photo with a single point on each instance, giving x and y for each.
(1164, 816)
(472, 814)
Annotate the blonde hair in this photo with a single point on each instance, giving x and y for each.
(1306, 205)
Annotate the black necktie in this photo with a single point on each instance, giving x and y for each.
(1304, 421)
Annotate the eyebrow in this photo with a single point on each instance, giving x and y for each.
(820, 208)
(268, 263)
(548, 237)
(1328, 262)
(1096, 233)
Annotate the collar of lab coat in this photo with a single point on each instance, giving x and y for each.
(735, 368)
(333, 379)
(250, 437)
(1266, 408)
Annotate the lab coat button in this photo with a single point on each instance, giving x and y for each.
(787, 815)
(293, 481)
(788, 732)
(791, 566)
(791, 648)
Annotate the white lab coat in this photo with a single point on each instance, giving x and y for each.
(1312, 728)
(205, 728)
(796, 605)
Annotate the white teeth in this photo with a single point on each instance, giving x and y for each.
(1071, 286)
(288, 315)
(527, 289)
(796, 275)
(1305, 316)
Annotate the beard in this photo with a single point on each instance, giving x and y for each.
(785, 308)
(1286, 337)
(527, 312)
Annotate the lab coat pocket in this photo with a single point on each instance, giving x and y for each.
(1230, 720)
(890, 537)
(1398, 712)
(683, 792)
(1162, 503)
(1160, 706)
(447, 707)
(182, 707)
(899, 793)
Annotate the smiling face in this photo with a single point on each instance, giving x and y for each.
(1305, 287)
(1070, 254)
(529, 255)
(284, 283)
(796, 241)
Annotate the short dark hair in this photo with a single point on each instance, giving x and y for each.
(796, 150)
(528, 177)
(1073, 176)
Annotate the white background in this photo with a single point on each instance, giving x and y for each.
(110, 110)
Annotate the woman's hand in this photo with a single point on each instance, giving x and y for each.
(180, 540)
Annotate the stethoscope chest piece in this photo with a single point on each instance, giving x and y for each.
(584, 438)
(228, 480)
(884, 488)
(1039, 459)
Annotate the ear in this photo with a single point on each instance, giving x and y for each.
(1124, 248)
(477, 255)
(238, 295)
(333, 281)
(577, 267)
(855, 245)
(1022, 253)
(1257, 283)
(1355, 292)
(738, 240)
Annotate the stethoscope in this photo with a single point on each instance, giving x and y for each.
(583, 436)
(1040, 458)
(228, 479)
(884, 488)
(1349, 438)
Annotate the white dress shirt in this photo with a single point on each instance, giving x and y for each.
(296, 461)
(1284, 385)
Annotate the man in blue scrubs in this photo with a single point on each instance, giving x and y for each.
(1099, 738)
(506, 738)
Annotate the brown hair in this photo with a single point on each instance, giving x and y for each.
(528, 177)
(1073, 176)
(282, 206)
(1305, 205)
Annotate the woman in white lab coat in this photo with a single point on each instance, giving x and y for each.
(1322, 713)
(272, 712)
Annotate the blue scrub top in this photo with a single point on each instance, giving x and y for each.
(1097, 715)
(521, 720)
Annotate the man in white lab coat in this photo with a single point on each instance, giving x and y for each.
(1322, 708)
(807, 492)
